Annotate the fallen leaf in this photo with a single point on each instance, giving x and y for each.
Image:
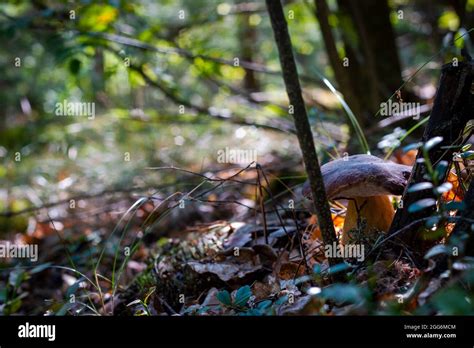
(304, 305)
(455, 193)
(226, 271)
(240, 237)
(291, 270)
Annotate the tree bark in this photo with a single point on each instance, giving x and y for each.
(303, 130)
(382, 43)
(248, 38)
(464, 226)
(374, 68)
(452, 109)
(342, 77)
(98, 85)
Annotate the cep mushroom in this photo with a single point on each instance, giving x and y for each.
(366, 181)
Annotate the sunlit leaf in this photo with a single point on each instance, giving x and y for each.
(468, 155)
(444, 187)
(420, 186)
(421, 204)
(413, 146)
(441, 168)
(437, 250)
(432, 143)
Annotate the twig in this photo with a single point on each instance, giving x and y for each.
(208, 178)
(303, 129)
(187, 54)
(262, 206)
(82, 196)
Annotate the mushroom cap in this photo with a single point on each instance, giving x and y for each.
(362, 176)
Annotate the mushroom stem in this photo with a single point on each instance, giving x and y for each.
(376, 210)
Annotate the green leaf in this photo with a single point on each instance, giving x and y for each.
(73, 288)
(74, 66)
(317, 269)
(436, 250)
(441, 169)
(455, 206)
(264, 304)
(452, 301)
(466, 147)
(14, 305)
(224, 297)
(344, 293)
(3, 295)
(444, 187)
(412, 147)
(420, 186)
(432, 143)
(242, 296)
(411, 130)
(303, 279)
(203, 309)
(97, 17)
(340, 267)
(40, 268)
(281, 300)
(16, 277)
(432, 221)
(467, 155)
(421, 204)
(63, 310)
(350, 114)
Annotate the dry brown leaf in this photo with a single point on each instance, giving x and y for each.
(407, 158)
(266, 288)
(226, 271)
(456, 193)
(304, 305)
(291, 270)
(211, 298)
(241, 236)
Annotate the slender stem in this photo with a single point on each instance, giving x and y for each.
(303, 130)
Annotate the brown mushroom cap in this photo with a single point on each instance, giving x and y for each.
(362, 176)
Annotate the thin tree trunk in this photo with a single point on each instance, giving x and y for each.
(382, 43)
(370, 68)
(373, 68)
(342, 77)
(303, 130)
(247, 38)
(357, 67)
(98, 85)
(452, 109)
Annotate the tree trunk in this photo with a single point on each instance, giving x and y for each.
(98, 85)
(374, 67)
(452, 109)
(303, 130)
(247, 39)
(342, 77)
(381, 41)
(464, 226)
(357, 66)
